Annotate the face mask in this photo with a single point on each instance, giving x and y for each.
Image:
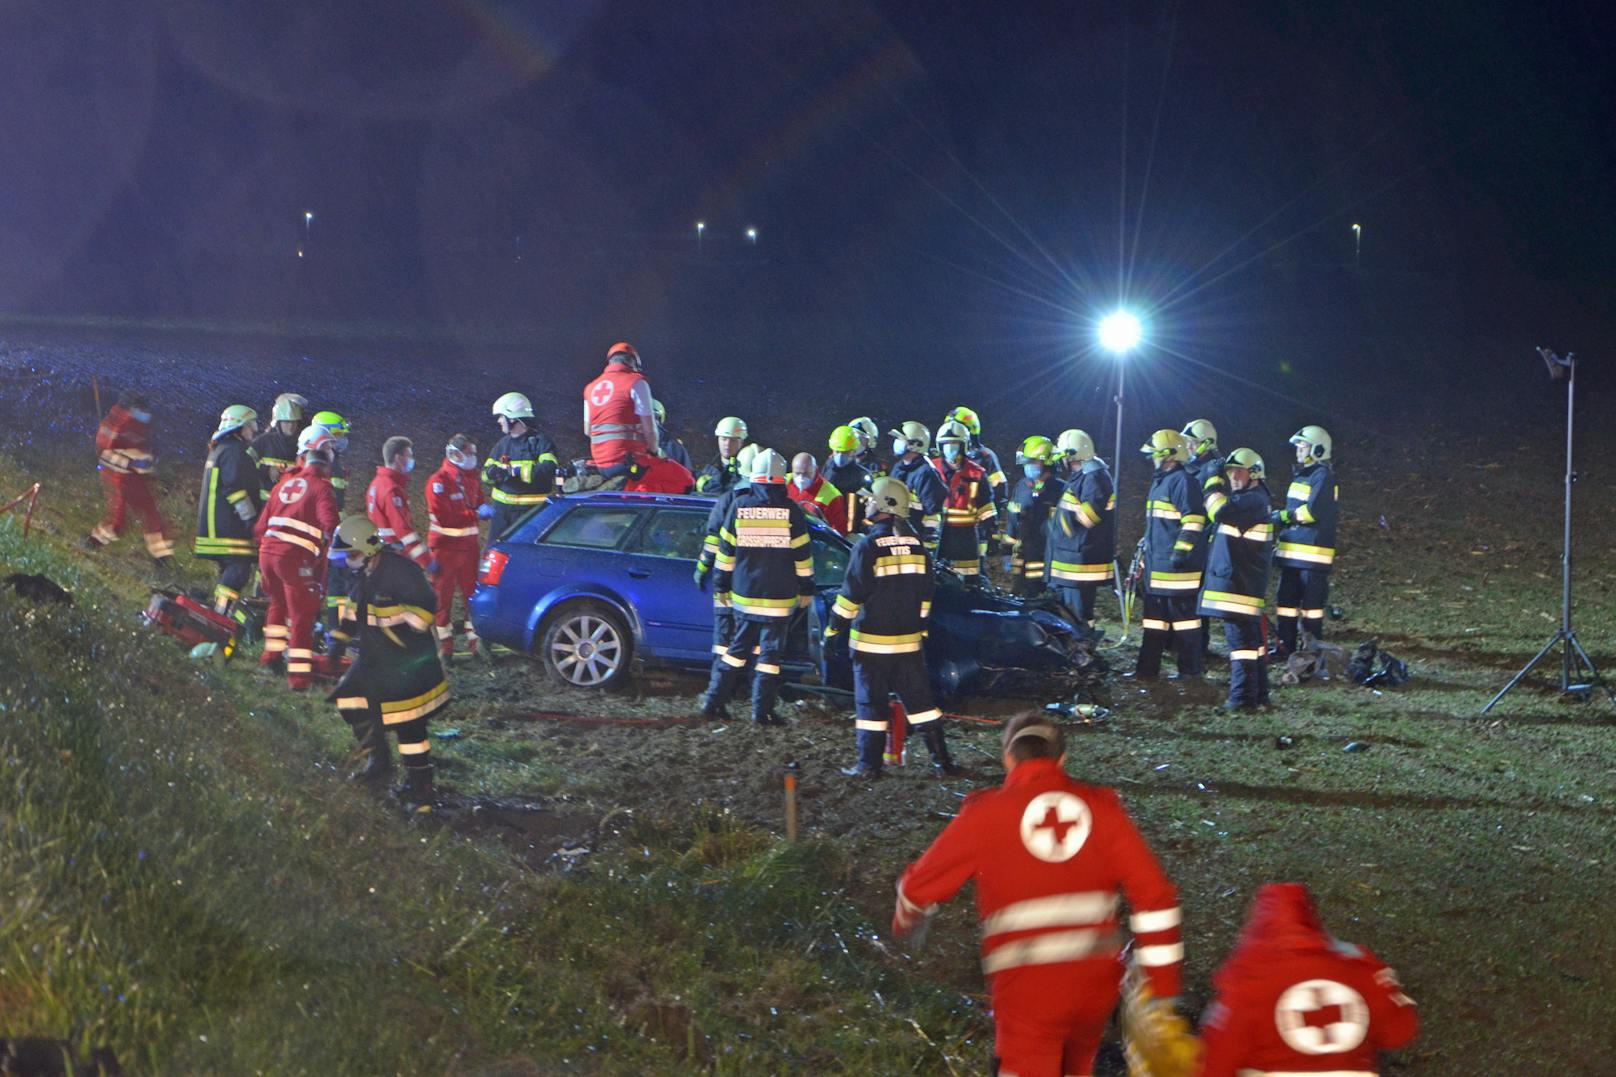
(140, 416)
(409, 465)
(841, 459)
(340, 444)
(899, 448)
(952, 452)
(802, 482)
(1032, 471)
(467, 463)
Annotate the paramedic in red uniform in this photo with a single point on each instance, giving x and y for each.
(619, 415)
(453, 496)
(125, 458)
(1293, 1000)
(294, 533)
(1048, 855)
(387, 502)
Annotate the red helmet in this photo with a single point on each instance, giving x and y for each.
(623, 352)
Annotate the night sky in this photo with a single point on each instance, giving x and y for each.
(953, 184)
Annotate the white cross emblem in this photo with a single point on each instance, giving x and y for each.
(292, 490)
(1054, 826)
(601, 392)
(1321, 1017)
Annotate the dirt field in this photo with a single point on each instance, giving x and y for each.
(1472, 852)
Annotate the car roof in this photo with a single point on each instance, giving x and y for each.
(685, 501)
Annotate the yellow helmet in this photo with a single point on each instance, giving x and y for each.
(338, 425)
(967, 418)
(1075, 443)
(358, 533)
(916, 434)
(843, 439)
(1166, 445)
(866, 429)
(888, 494)
(1246, 458)
(1317, 440)
(511, 406)
(730, 427)
(1036, 448)
(953, 431)
(658, 412)
(234, 418)
(1202, 434)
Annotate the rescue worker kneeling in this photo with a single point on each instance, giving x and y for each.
(396, 681)
(765, 566)
(886, 595)
(1236, 583)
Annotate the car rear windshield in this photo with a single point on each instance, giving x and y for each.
(596, 527)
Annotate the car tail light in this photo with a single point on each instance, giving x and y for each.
(492, 567)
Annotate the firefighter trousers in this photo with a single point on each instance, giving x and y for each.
(370, 728)
(1303, 593)
(877, 679)
(457, 573)
(127, 496)
(767, 640)
(1170, 619)
(1048, 1020)
(292, 582)
(1248, 661)
(1079, 598)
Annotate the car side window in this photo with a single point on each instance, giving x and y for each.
(830, 562)
(673, 533)
(595, 527)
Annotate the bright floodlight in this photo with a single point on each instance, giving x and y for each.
(1119, 332)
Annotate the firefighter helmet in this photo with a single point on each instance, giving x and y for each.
(1202, 434)
(1075, 442)
(332, 422)
(888, 494)
(314, 437)
(843, 439)
(234, 418)
(867, 430)
(966, 418)
(658, 412)
(768, 466)
(1317, 440)
(955, 431)
(916, 434)
(1246, 458)
(730, 427)
(1036, 449)
(623, 352)
(357, 533)
(744, 458)
(288, 408)
(1166, 445)
(513, 406)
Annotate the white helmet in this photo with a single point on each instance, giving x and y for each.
(314, 436)
(768, 466)
(513, 406)
(730, 427)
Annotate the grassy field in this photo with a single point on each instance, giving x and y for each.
(188, 879)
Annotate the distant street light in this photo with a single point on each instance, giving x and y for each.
(751, 235)
(1357, 244)
(701, 226)
(308, 223)
(1119, 333)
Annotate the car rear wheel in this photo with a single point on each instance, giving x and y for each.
(587, 645)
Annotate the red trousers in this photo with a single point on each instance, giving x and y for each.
(132, 495)
(293, 580)
(457, 571)
(1049, 1019)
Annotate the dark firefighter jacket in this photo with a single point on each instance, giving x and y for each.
(765, 560)
(1236, 581)
(1082, 542)
(929, 494)
(715, 523)
(396, 671)
(719, 476)
(230, 476)
(1175, 529)
(852, 481)
(1208, 472)
(1031, 503)
(871, 461)
(528, 465)
(887, 591)
(988, 460)
(276, 452)
(1307, 539)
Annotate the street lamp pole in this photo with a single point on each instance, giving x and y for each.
(1120, 333)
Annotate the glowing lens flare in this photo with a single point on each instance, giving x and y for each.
(1120, 332)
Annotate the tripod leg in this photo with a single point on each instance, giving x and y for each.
(1594, 676)
(1513, 681)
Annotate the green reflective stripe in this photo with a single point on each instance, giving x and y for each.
(800, 540)
(223, 546)
(547, 458)
(872, 643)
(846, 607)
(213, 501)
(1303, 515)
(1301, 491)
(1175, 577)
(1226, 599)
(237, 496)
(518, 499)
(1064, 570)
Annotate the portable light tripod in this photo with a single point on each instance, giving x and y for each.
(1573, 659)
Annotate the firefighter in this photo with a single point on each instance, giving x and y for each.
(869, 455)
(1175, 551)
(886, 596)
(228, 508)
(969, 515)
(294, 537)
(1293, 999)
(1031, 503)
(1206, 465)
(126, 458)
(668, 445)
(330, 430)
(1235, 587)
(619, 419)
(1082, 530)
(454, 502)
(396, 681)
(387, 502)
(723, 615)
(276, 447)
(986, 459)
(520, 470)
(817, 497)
(912, 467)
(1306, 548)
(339, 429)
(843, 471)
(1048, 855)
(726, 471)
(766, 567)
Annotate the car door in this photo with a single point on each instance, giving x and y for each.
(655, 568)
